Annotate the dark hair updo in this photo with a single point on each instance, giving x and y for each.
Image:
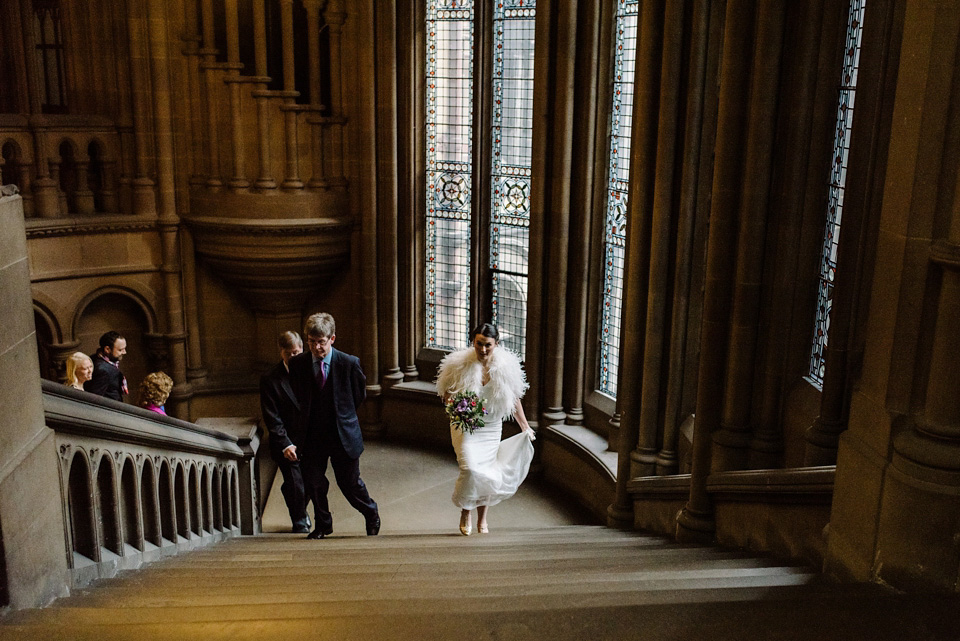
(486, 329)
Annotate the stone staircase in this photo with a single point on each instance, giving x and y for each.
(568, 582)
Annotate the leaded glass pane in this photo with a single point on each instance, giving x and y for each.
(838, 181)
(513, 33)
(449, 170)
(618, 180)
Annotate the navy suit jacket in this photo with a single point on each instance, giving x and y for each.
(107, 379)
(279, 407)
(349, 390)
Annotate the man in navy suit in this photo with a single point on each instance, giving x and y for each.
(280, 408)
(329, 385)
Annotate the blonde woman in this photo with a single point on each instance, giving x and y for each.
(154, 391)
(79, 370)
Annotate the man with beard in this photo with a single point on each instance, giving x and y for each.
(108, 381)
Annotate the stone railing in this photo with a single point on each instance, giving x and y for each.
(137, 486)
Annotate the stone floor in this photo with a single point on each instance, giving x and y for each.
(413, 489)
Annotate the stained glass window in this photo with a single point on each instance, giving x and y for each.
(449, 170)
(838, 181)
(615, 220)
(513, 34)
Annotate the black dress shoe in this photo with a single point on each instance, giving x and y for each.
(373, 526)
(302, 526)
(319, 533)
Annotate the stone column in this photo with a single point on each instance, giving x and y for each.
(408, 115)
(581, 219)
(108, 186)
(192, 40)
(666, 460)
(654, 344)
(539, 161)
(83, 197)
(291, 179)
(239, 181)
(897, 493)
(696, 521)
(209, 53)
(643, 150)
(367, 138)
(386, 182)
(335, 16)
(32, 529)
(317, 179)
(169, 221)
(188, 265)
(144, 197)
(731, 442)
(265, 179)
(561, 173)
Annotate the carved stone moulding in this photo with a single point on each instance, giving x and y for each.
(276, 264)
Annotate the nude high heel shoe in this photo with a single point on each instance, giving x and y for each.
(465, 526)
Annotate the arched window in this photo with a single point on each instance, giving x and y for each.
(618, 180)
(48, 39)
(838, 181)
(454, 219)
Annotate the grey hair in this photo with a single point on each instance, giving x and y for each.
(321, 324)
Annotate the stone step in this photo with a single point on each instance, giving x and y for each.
(478, 585)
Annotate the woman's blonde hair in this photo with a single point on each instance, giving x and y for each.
(155, 389)
(75, 360)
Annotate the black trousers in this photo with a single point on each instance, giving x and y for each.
(294, 493)
(346, 470)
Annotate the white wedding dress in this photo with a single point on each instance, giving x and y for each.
(491, 470)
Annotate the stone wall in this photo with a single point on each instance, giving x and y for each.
(31, 518)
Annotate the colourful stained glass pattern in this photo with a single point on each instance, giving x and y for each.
(838, 181)
(512, 127)
(615, 223)
(449, 170)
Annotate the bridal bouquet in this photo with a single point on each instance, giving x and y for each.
(466, 411)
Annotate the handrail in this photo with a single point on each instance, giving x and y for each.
(76, 412)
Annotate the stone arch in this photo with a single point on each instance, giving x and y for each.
(149, 503)
(47, 334)
(226, 503)
(11, 163)
(126, 311)
(129, 501)
(168, 520)
(235, 496)
(216, 498)
(80, 505)
(206, 508)
(108, 522)
(65, 166)
(193, 487)
(181, 500)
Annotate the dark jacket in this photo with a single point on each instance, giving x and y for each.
(107, 380)
(349, 390)
(279, 408)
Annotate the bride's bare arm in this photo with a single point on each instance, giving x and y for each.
(520, 416)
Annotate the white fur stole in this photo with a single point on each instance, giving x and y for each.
(460, 371)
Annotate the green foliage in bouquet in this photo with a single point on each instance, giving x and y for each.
(466, 411)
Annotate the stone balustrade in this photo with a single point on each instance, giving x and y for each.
(137, 486)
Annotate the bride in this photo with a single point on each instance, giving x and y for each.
(491, 470)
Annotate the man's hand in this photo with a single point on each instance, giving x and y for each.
(290, 453)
